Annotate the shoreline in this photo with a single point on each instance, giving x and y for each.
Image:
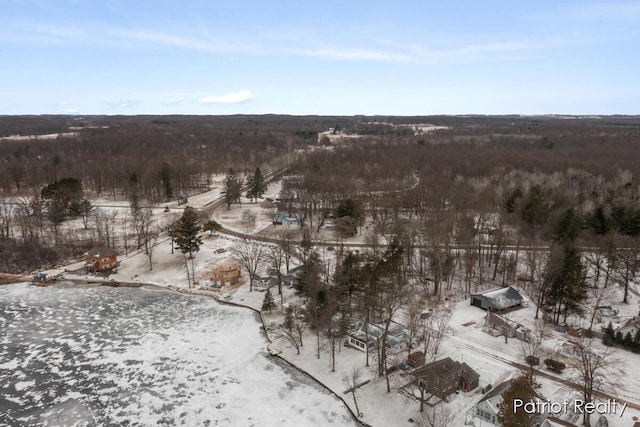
(270, 341)
(218, 299)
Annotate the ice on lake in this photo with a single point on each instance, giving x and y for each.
(89, 355)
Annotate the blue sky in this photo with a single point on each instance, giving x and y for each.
(331, 57)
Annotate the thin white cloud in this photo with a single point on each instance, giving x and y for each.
(174, 100)
(208, 44)
(229, 98)
(371, 50)
(625, 10)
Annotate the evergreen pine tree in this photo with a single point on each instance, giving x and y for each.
(609, 335)
(232, 188)
(567, 287)
(636, 342)
(520, 388)
(250, 185)
(256, 185)
(627, 341)
(187, 230)
(268, 303)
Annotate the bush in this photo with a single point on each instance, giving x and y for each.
(532, 360)
(555, 365)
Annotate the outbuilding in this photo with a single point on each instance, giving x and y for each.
(497, 299)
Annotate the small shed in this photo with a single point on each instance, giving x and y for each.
(101, 258)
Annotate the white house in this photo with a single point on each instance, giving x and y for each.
(367, 335)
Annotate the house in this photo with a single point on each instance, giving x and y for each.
(632, 325)
(263, 283)
(268, 202)
(487, 408)
(367, 335)
(498, 299)
(101, 258)
(446, 376)
(280, 219)
(485, 412)
(499, 325)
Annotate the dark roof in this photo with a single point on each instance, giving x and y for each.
(101, 251)
(442, 368)
(469, 374)
(501, 298)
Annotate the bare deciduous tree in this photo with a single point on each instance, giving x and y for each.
(250, 255)
(275, 256)
(352, 379)
(626, 264)
(531, 347)
(595, 371)
(436, 416)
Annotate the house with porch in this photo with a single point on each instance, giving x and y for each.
(366, 336)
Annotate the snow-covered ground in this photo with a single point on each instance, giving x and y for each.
(465, 340)
(93, 355)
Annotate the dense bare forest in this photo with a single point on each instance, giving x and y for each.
(431, 180)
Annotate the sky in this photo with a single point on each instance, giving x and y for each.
(343, 57)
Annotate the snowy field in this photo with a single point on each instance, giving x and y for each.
(94, 355)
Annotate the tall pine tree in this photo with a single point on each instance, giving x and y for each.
(567, 284)
(232, 188)
(508, 415)
(256, 185)
(187, 230)
(268, 303)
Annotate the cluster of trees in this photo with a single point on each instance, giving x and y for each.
(255, 185)
(627, 341)
(171, 155)
(374, 288)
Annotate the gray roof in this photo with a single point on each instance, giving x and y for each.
(496, 391)
(442, 368)
(101, 251)
(469, 374)
(502, 297)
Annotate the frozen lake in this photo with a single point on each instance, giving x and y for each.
(88, 355)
